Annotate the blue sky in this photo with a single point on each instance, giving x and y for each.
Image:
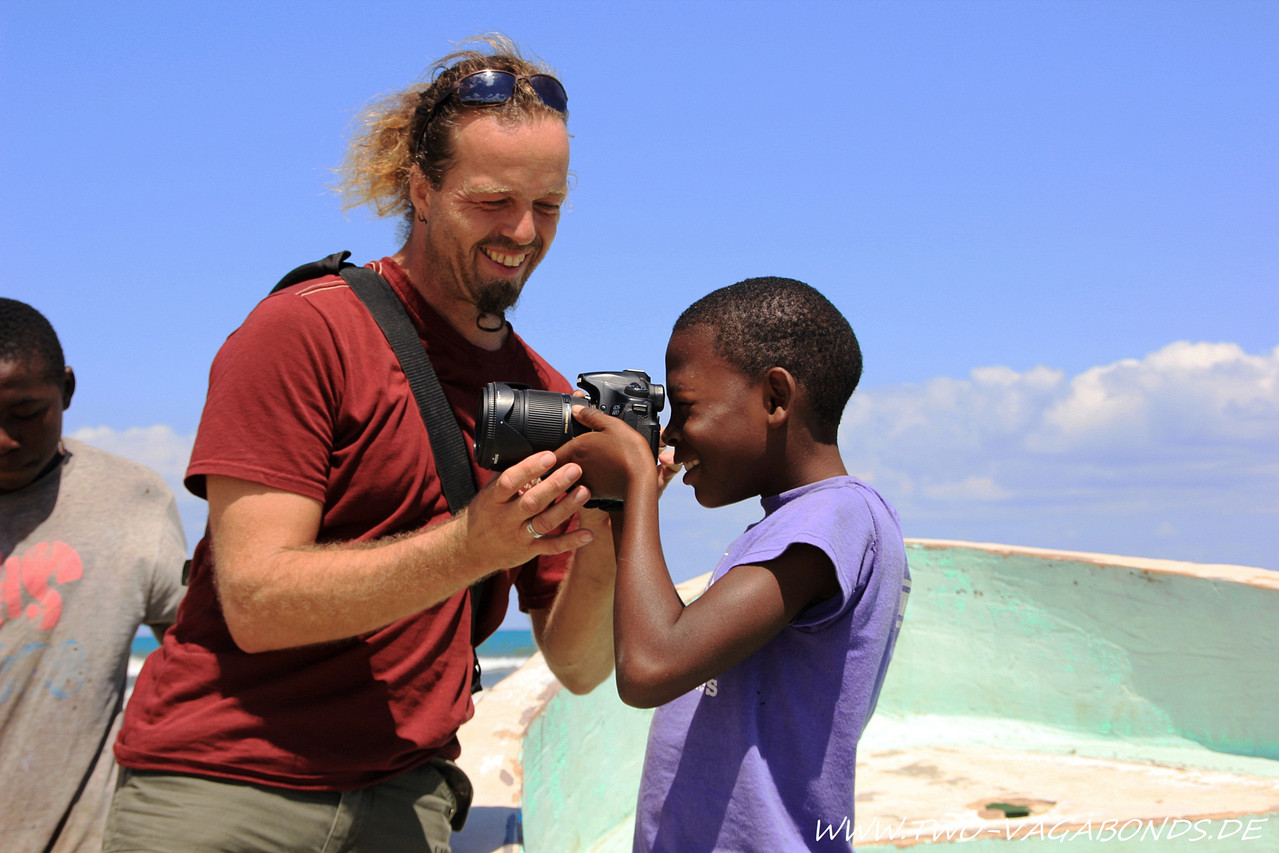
(1053, 225)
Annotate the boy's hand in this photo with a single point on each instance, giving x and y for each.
(611, 455)
(668, 469)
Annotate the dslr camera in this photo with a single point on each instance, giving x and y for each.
(516, 421)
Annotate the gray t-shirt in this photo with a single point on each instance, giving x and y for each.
(88, 552)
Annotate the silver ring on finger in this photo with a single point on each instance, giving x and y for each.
(533, 532)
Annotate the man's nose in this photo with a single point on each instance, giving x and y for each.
(521, 228)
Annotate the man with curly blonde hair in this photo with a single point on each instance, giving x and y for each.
(310, 694)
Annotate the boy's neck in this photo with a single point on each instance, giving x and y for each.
(810, 464)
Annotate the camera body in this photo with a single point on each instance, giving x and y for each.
(516, 421)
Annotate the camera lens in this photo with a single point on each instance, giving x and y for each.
(515, 422)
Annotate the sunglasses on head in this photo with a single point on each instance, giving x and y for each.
(489, 88)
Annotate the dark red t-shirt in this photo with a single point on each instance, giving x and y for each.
(308, 397)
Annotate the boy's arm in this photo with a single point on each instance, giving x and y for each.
(663, 648)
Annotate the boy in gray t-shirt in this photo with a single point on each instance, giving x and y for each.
(766, 681)
(90, 548)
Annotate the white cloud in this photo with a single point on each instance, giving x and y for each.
(1184, 394)
(1175, 454)
(973, 488)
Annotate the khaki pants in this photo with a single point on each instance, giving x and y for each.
(173, 813)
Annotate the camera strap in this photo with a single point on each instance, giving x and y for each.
(447, 442)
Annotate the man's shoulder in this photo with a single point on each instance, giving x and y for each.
(315, 290)
(302, 317)
(325, 294)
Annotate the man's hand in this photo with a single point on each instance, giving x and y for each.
(510, 521)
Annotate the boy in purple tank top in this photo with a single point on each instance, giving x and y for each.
(763, 684)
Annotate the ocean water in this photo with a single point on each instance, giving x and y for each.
(505, 652)
(500, 655)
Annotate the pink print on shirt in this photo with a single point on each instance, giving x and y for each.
(43, 565)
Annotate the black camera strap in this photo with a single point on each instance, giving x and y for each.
(446, 439)
(447, 442)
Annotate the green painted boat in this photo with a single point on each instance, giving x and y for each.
(1045, 699)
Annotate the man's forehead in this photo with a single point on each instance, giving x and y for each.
(483, 186)
(489, 150)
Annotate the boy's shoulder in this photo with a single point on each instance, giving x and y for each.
(841, 515)
(838, 508)
(109, 469)
(846, 492)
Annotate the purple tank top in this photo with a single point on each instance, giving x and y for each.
(756, 757)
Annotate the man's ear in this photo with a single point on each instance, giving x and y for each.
(420, 194)
(68, 388)
(779, 395)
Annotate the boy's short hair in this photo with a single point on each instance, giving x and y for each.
(761, 323)
(25, 335)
